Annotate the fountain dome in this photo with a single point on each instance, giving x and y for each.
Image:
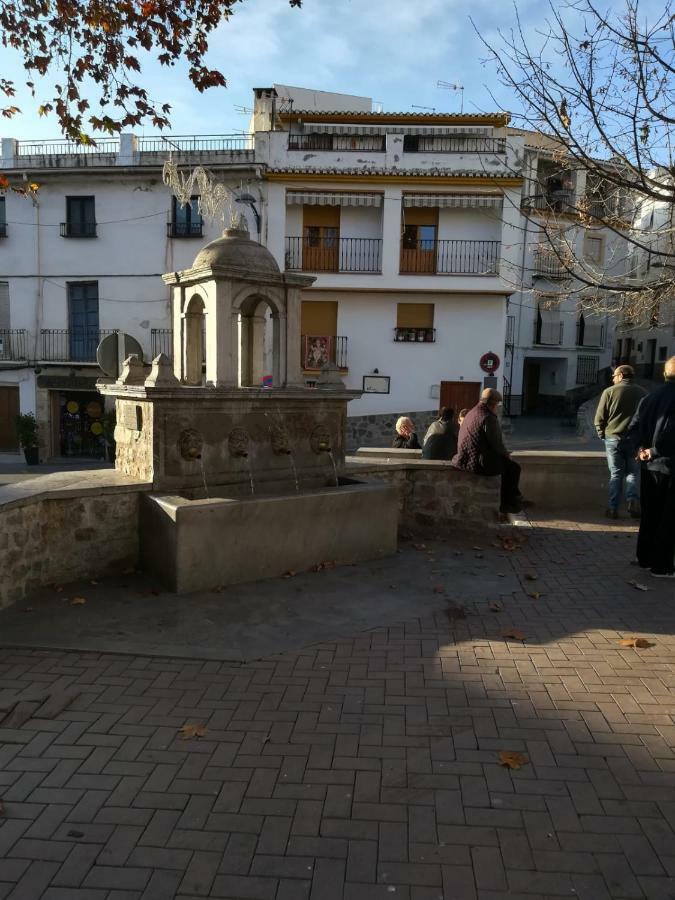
(235, 250)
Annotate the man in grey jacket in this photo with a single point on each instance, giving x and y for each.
(615, 411)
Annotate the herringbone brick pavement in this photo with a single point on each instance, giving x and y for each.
(365, 768)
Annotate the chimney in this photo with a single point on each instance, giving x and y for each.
(264, 108)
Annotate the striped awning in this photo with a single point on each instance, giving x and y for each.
(454, 201)
(332, 198)
(312, 128)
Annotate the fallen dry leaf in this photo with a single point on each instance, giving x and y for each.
(638, 586)
(192, 731)
(78, 601)
(512, 759)
(531, 576)
(515, 634)
(534, 594)
(495, 607)
(641, 643)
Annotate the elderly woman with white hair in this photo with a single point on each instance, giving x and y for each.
(405, 437)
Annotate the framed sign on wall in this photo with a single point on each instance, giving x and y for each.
(376, 384)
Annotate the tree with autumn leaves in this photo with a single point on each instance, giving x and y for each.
(95, 50)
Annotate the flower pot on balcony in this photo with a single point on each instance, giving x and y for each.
(420, 336)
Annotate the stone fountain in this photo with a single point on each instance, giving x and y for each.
(246, 477)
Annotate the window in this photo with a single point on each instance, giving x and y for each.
(415, 322)
(4, 306)
(80, 218)
(549, 327)
(593, 248)
(3, 218)
(587, 369)
(663, 354)
(590, 331)
(418, 240)
(186, 220)
(83, 320)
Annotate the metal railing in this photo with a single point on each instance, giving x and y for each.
(71, 344)
(510, 330)
(161, 341)
(590, 335)
(506, 395)
(203, 143)
(450, 257)
(63, 147)
(588, 368)
(364, 143)
(551, 201)
(548, 336)
(415, 335)
(413, 143)
(306, 254)
(184, 229)
(78, 229)
(549, 264)
(318, 350)
(13, 344)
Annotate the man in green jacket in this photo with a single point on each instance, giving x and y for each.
(616, 408)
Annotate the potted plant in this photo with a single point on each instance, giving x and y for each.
(108, 422)
(27, 432)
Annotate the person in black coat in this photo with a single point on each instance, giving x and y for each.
(405, 437)
(652, 434)
(440, 441)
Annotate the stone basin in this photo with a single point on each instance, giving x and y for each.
(199, 544)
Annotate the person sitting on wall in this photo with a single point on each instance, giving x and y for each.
(405, 437)
(440, 441)
(481, 450)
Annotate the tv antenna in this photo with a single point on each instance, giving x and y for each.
(449, 86)
(428, 108)
(243, 110)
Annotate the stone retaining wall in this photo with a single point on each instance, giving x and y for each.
(53, 535)
(378, 430)
(434, 498)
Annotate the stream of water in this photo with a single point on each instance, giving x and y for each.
(206, 488)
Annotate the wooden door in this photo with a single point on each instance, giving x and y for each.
(419, 240)
(460, 394)
(321, 238)
(9, 410)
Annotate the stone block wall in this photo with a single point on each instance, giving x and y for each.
(49, 540)
(434, 498)
(378, 430)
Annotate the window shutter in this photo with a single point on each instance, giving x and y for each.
(550, 326)
(414, 315)
(4, 305)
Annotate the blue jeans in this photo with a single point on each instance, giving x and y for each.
(622, 464)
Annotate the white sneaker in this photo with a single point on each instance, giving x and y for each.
(662, 574)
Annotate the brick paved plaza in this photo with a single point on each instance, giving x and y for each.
(365, 767)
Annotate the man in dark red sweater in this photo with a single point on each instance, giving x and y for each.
(481, 450)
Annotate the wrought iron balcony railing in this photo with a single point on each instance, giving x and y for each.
(363, 143)
(71, 344)
(327, 254)
(161, 341)
(561, 201)
(184, 229)
(78, 229)
(3, 230)
(549, 264)
(450, 257)
(319, 350)
(13, 344)
(415, 335)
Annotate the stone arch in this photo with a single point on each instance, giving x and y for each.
(260, 318)
(194, 323)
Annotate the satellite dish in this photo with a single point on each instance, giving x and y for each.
(113, 350)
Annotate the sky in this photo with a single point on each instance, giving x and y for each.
(394, 51)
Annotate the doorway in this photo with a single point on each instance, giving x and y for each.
(651, 359)
(80, 425)
(9, 410)
(460, 394)
(531, 375)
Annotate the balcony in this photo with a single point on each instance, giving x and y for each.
(562, 201)
(415, 335)
(70, 345)
(13, 344)
(460, 143)
(320, 350)
(78, 229)
(161, 341)
(343, 143)
(549, 264)
(184, 229)
(309, 254)
(548, 334)
(451, 257)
